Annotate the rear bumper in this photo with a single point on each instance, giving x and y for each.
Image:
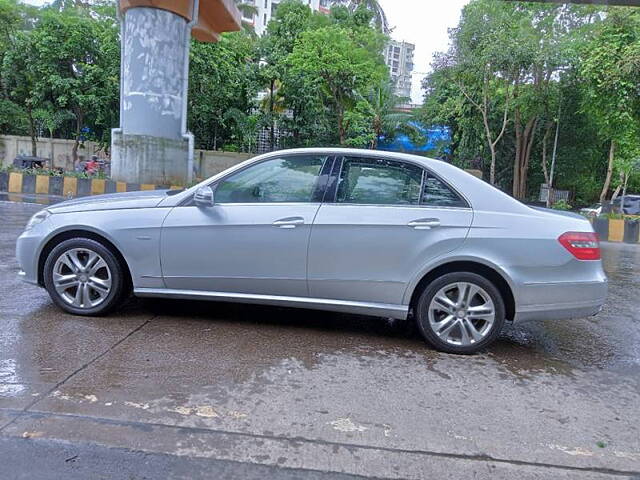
(561, 301)
(560, 312)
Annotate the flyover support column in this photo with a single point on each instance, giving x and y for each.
(152, 144)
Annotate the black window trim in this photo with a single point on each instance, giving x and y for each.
(332, 191)
(467, 205)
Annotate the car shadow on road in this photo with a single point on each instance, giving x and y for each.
(518, 351)
(286, 318)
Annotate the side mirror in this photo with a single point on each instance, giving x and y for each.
(204, 197)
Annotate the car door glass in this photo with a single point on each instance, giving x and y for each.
(280, 180)
(436, 193)
(379, 182)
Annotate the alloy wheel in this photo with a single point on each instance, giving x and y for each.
(462, 314)
(82, 278)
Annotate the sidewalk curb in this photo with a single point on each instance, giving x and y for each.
(18, 182)
(617, 230)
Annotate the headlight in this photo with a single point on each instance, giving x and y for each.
(38, 218)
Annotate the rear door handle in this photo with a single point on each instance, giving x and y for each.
(289, 223)
(425, 223)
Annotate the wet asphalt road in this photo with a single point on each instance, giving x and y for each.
(223, 391)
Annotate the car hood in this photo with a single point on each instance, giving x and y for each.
(112, 201)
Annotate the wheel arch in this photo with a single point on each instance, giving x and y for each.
(488, 272)
(59, 237)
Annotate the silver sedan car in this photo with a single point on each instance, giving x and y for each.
(361, 232)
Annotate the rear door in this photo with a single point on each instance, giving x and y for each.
(381, 221)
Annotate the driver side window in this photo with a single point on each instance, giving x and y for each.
(280, 180)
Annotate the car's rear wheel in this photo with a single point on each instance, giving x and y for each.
(84, 277)
(460, 312)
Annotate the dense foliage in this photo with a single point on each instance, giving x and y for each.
(518, 72)
(60, 77)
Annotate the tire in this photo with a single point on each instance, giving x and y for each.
(446, 323)
(68, 270)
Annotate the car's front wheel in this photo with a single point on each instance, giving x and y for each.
(84, 277)
(460, 312)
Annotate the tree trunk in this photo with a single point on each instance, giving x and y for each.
(492, 168)
(524, 144)
(545, 141)
(607, 180)
(524, 172)
(516, 162)
(624, 192)
(492, 147)
(483, 108)
(616, 192)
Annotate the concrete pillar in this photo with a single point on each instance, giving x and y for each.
(152, 144)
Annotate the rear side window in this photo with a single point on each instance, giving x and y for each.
(379, 182)
(437, 194)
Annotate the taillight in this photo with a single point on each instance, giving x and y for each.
(582, 245)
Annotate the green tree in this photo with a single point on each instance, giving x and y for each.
(50, 118)
(73, 67)
(244, 129)
(22, 80)
(502, 79)
(485, 64)
(19, 96)
(386, 120)
(340, 66)
(378, 16)
(629, 170)
(291, 20)
(222, 77)
(611, 85)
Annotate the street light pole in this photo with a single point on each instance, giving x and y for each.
(553, 158)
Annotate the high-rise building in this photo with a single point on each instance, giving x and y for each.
(267, 9)
(399, 59)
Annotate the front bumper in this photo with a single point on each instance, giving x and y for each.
(22, 275)
(28, 248)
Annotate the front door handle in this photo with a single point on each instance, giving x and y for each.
(425, 223)
(289, 223)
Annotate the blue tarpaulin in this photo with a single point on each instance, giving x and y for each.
(437, 139)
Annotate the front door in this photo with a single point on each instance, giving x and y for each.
(388, 218)
(254, 239)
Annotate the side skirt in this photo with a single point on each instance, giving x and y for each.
(399, 312)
